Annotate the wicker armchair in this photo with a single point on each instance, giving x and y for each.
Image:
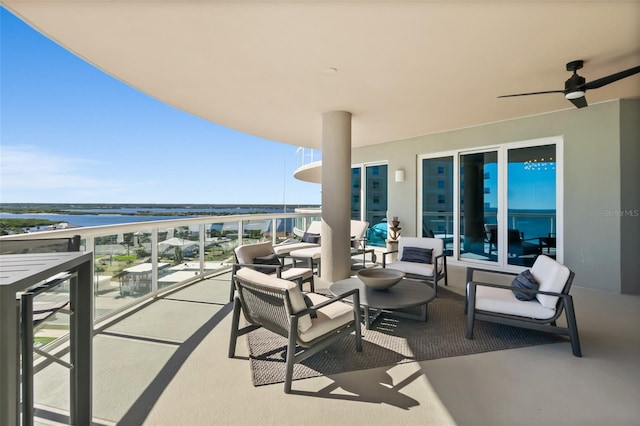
(279, 306)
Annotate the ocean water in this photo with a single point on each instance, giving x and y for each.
(88, 219)
(110, 216)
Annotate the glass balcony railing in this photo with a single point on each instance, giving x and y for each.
(136, 261)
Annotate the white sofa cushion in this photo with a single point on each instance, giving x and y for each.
(295, 295)
(329, 318)
(502, 300)
(552, 276)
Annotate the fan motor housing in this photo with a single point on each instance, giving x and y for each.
(574, 83)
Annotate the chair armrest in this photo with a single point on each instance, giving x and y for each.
(334, 299)
(471, 270)
(384, 256)
(506, 287)
(278, 268)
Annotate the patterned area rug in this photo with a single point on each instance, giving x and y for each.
(393, 341)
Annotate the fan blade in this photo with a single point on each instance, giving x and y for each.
(611, 78)
(532, 93)
(579, 102)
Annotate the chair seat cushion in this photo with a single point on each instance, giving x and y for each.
(285, 249)
(502, 300)
(306, 253)
(296, 273)
(424, 269)
(331, 317)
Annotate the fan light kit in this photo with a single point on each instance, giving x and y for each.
(574, 95)
(576, 86)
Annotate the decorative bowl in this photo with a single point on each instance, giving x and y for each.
(380, 279)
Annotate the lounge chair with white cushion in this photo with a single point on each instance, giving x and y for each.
(535, 300)
(420, 258)
(311, 238)
(311, 255)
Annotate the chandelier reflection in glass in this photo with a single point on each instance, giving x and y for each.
(540, 164)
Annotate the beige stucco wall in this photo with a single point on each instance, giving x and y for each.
(592, 181)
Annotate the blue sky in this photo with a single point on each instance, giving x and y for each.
(71, 134)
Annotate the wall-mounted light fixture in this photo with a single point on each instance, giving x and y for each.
(400, 175)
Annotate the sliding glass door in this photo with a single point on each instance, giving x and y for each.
(370, 204)
(478, 204)
(437, 200)
(531, 203)
(356, 189)
(497, 205)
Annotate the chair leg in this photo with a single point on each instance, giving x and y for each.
(235, 322)
(471, 309)
(573, 327)
(356, 313)
(232, 289)
(312, 283)
(435, 279)
(446, 279)
(291, 359)
(470, 320)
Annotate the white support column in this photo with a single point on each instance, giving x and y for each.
(336, 195)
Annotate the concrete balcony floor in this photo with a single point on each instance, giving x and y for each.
(167, 364)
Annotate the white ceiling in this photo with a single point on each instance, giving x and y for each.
(403, 68)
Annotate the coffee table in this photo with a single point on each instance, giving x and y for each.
(406, 294)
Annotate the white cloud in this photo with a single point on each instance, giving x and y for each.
(30, 174)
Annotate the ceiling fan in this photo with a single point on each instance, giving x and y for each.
(576, 86)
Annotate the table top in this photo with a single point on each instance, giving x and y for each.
(20, 271)
(405, 294)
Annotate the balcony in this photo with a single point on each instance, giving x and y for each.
(160, 356)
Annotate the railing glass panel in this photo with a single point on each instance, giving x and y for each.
(133, 261)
